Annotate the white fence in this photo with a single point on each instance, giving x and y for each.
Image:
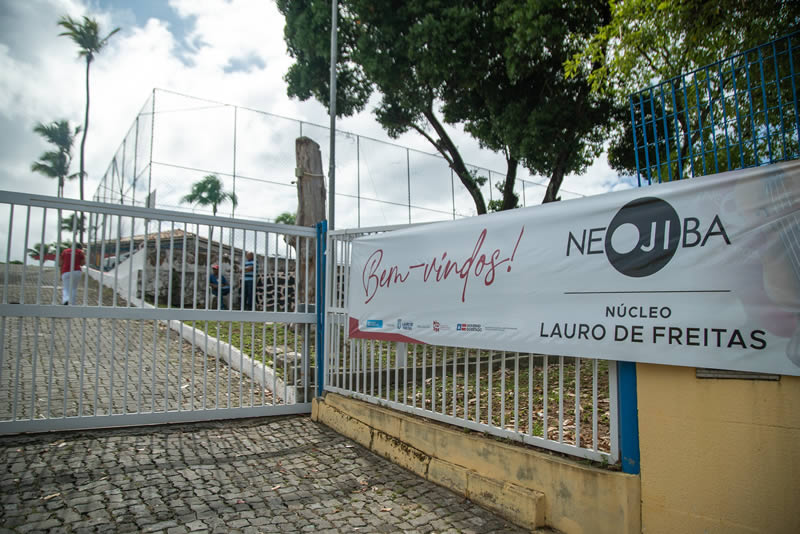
(147, 338)
(560, 403)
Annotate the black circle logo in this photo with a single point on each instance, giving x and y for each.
(642, 237)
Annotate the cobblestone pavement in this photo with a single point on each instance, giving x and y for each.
(285, 474)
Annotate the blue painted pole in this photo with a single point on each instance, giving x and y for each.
(628, 417)
(322, 234)
(635, 148)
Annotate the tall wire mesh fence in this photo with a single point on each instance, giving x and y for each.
(177, 139)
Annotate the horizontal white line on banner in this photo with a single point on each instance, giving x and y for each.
(663, 291)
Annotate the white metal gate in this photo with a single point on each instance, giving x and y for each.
(147, 338)
(560, 403)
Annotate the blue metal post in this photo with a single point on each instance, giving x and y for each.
(644, 140)
(677, 130)
(766, 104)
(713, 122)
(753, 123)
(794, 91)
(724, 113)
(666, 132)
(655, 134)
(322, 235)
(780, 100)
(635, 148)
(700, 124)
(628, 417)
(738, 117)
(686, 107)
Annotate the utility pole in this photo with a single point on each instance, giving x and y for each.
(332, 109)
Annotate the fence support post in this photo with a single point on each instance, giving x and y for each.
(322, 236)
(628, 417)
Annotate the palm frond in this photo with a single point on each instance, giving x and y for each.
(85, 34)
(209, 192)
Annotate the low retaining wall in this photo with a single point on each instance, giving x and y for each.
(528, 487)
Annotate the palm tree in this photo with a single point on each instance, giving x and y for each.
(87, 36)
(68, 222)
(55, 164)
(208, 192)
(42, 251)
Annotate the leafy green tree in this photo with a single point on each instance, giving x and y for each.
(454, 62)
(55, 164)
(86, 35)
(286, 218)
(527, 109)
(646, 42)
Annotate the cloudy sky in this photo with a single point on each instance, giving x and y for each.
(226, 52)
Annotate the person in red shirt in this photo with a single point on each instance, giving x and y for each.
(71, 262)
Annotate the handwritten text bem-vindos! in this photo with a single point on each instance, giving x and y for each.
(478, 265)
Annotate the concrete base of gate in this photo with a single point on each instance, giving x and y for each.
(528, 487)
(237, 360)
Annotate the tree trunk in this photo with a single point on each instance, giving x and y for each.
(509, 198)
(551, 195)
(456, 162)
(85, 131)
(310, 183)
(310, 211)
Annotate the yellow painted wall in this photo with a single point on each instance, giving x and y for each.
(718, 456)
(528, 487)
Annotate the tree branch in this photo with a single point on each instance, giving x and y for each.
(457, 163)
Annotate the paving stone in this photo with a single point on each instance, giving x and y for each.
(219, 477)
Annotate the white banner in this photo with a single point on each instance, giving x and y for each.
(702, 272)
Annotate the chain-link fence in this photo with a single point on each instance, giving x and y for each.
(177, 139)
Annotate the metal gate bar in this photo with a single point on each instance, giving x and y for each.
(146, 337)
